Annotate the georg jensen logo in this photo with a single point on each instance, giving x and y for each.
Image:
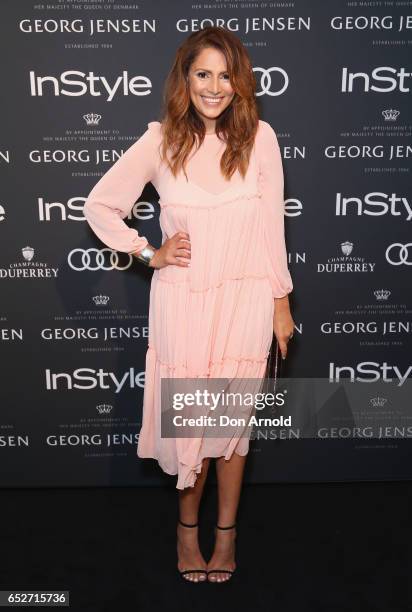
(91, 26)
(371, 22)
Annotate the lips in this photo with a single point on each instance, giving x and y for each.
(211, 100)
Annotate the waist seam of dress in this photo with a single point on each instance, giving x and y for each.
(217, 205)
(186, 281)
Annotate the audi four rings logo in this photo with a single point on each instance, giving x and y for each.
(400, 252)
(266, 80)
(80, 259)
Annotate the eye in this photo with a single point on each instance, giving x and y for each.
(226, 77)
(201, 74)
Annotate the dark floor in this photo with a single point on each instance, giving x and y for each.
(300, 547)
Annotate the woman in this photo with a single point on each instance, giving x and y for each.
(220, 284)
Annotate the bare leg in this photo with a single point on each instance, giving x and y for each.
(229, 477)
(188, 550)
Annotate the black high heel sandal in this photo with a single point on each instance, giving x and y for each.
(191, 571)
(223, 571)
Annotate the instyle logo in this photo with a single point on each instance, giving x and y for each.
(88, 84)
(86, 379)
(383, 79)
(373, 204)
(62, 211)
(368, 371)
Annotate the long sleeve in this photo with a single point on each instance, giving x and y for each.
(114, 195)
(271, 181)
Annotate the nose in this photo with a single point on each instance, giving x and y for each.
(214, 88)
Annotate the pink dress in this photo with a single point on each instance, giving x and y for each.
(214, 318)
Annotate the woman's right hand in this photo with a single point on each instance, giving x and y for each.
(174, 251)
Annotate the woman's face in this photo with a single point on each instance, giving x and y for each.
(209, 85)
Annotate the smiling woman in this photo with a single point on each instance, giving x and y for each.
(220, 285)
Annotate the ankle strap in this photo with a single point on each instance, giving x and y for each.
(231, 527)
(187, 524)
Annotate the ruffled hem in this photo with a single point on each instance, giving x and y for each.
(184, 456)
(212, 363)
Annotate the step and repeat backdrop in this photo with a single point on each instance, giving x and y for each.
(80, 81)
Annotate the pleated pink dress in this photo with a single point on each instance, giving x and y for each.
(213, 319)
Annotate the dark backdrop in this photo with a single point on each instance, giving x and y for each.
(73, 338)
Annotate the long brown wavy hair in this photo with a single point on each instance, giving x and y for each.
(237, 124)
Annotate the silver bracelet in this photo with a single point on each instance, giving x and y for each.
(145, 255)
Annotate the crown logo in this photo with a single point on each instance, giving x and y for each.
(346, 247)
(28, 253)
(101, 300)
(104, 408)
(92, 118)
(378, 402)
(381, 294)
(390, 114)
